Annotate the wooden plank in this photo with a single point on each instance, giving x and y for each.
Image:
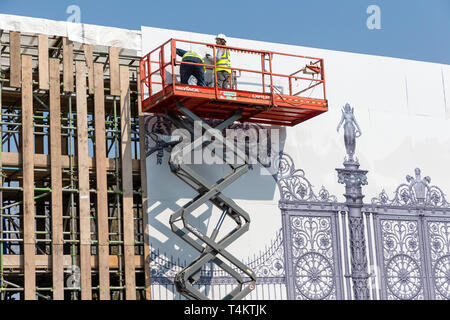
(68, 65)
(89, 56)
(15, 59)
(114, 70)
(83, 182)
(127, 183)
(56, 176)
(142, 151)
(13, 159)
(46, 261)
(28, 179)
(43, 72)
(43, 62)
(102, 187)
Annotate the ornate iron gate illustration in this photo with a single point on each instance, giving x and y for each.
(312, 254)
(387, 249)
(412, 238)
(312, 238)
(407, 241)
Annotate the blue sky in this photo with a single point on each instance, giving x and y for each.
(410, 29)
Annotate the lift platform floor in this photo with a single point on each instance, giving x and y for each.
(205, 102)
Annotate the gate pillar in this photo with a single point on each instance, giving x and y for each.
(354, 179)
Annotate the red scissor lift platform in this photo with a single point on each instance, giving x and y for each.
(267, 87)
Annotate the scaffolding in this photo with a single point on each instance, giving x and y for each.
(72, 171)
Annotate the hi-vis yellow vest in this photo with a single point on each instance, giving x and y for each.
(224, 62)
(195, 55)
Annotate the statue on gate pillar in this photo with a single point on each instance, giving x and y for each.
(351, 130)
(353, 178)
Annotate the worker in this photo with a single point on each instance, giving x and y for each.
(188, 70)
(223, 63)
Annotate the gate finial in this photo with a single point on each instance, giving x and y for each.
(419, 185)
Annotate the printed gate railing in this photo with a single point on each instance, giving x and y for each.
(268, 266)
(313, 242)
(412, 238)
(312, 253)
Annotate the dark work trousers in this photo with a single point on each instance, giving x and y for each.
(188, 70)
(223, 80)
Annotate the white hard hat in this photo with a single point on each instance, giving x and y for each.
(222, 36)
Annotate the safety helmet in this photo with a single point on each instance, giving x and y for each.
(222, 36)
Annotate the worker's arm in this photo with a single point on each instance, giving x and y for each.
(219, 54)
(181, 52)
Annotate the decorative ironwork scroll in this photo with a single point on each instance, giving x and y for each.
(294, 186)
(161, 125)
(417, 192)
(257, 134)
(439, 240)
(402, 259)
(313, 258)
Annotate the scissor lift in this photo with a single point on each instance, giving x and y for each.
(257, 101)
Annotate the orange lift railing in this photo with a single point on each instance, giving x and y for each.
(269, 87)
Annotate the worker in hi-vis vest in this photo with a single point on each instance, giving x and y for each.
(223, 63)
(188, 70)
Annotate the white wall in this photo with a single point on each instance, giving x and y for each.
(79, 32)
